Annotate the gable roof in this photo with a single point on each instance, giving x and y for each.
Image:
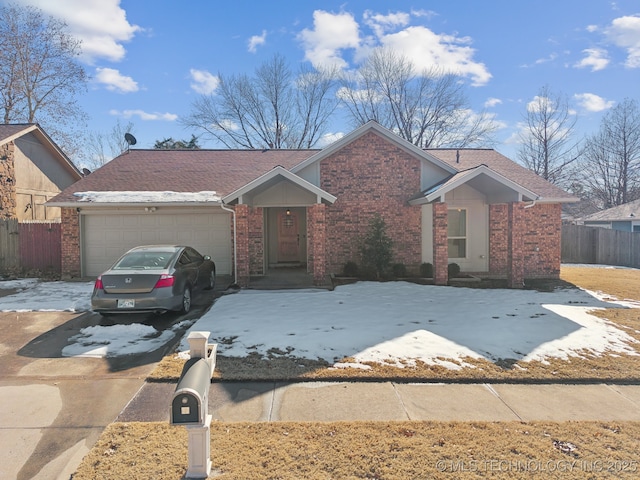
(12, 132)
(231, 173)
(383, 132)
(463, 159)
(274, 175)
(437, 191)
(622, 213)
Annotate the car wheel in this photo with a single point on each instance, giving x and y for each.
(186, 300)
(212, 281)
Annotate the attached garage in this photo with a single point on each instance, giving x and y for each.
(108, 233)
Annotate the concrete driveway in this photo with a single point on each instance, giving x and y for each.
(55, 408)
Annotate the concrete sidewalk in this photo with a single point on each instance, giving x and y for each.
(389, 401)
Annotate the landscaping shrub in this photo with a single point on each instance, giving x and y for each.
(376, 248)
(350, 269)
(426, 270)
(399, 270)
(453, 269)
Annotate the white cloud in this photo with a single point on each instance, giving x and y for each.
(329, 138)
(492, 102)
(115, 81)
(426, 49)
(595, 58)
(331, 33)
(624, 32)
(169, 117)
(257, 40)
(593, 103)
(101, 25)
(203, 81)
(382, 23)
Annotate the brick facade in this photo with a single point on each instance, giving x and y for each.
(70, 243)
(515, 245)
(541, 241)
(371, 176)
(242, 244)
(317, 244)
(498, 239)
(440, 244)
(536, 241)
(7, 181)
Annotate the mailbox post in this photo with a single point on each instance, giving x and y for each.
(190, 403)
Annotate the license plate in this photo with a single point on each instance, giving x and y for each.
(126, 303)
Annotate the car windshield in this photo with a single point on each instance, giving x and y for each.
(144, 261)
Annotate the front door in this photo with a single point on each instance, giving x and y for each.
(288, 237)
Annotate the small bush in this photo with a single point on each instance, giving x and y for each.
(426, 270)
(399, 270)
(453, 269)
(350, 269)
(377, 247)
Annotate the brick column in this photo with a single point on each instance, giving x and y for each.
(70, 232)
(317, 228)
(440, 244)
(242, 244)
(515, 262)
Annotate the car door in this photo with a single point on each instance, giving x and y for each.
(199, 264)
(188, 268)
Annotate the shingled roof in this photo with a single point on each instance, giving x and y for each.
(467, 158)
(225, 171)
(222, 171)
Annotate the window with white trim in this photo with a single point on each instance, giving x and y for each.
(457, 233)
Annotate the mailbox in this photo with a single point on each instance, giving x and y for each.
(190, 399)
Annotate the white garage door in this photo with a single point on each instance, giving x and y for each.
(106, 236)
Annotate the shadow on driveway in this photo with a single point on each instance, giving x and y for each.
(52, 343)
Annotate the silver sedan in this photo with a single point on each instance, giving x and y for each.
(154, 278)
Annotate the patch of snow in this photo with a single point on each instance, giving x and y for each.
(398, 323)
(147, 197)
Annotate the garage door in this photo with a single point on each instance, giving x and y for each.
(107, 236)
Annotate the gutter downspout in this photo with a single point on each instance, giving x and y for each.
(235, 247)
(532, 204)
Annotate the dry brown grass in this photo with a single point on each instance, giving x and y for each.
(373, 450)
(620, 283)
(395, 450)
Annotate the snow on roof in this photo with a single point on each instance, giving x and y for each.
(147, 197)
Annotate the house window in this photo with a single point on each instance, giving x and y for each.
(457, 233)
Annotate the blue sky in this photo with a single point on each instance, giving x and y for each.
(149, 60)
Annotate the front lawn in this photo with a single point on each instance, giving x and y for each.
(486, 335)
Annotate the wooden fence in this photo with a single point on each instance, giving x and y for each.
(30, 246)
(595, 245)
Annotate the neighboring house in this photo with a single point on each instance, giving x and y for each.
(254, 210)
(623, 217)
(33, 170)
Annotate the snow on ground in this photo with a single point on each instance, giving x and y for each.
(398, 323)
(393, 322)
(36, 296)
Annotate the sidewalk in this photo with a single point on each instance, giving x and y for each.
(389, 401)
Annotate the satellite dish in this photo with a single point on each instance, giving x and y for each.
(130, 139)
(86, 171)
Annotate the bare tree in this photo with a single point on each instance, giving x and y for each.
(171, 144)
(273, 108)
(547, 145)
(611, 164)
(428, 108)
(40, 77)
(102, 147)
